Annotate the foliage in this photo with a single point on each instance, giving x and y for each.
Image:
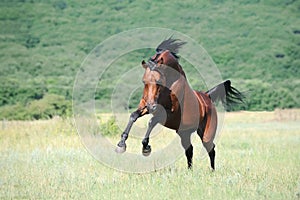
(274, 96)
(49, 106)
(109, 128)
(254, 43)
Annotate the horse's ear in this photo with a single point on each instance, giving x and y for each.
(144, 64)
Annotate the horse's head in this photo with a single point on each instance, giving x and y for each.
(165, 57)
(166, 54)
(161, 71)
(154, 82)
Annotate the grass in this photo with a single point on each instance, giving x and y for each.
(258, 157)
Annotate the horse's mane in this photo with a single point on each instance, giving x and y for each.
(173, 45)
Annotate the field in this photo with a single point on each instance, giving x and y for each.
(258, 157)
(255, 44)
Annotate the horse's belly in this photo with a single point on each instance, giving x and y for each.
(173, 121)
(181, 122)
(189, 122)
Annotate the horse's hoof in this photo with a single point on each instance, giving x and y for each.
(146, 151)
(120, 149)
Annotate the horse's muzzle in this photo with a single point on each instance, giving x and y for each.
(151, 107)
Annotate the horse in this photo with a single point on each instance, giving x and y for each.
(168, 96)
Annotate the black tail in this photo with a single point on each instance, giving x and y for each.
(225, 93)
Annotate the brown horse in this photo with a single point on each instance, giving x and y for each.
(169, 98)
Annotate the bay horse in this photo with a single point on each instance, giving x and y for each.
(173, 103)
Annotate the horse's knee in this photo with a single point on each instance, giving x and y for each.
(134, 116)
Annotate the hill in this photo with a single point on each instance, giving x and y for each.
(256, 44)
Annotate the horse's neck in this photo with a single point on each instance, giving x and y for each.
(181, 70)
(176, 66)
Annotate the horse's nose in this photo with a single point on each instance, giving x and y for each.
(151, 107)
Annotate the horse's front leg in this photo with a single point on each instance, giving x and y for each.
(121, 147)
(146, 147)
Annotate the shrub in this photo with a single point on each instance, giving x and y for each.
(109, 128)
(49, 106)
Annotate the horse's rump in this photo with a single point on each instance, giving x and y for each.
(208, 118)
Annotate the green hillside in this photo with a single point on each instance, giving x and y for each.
(256, 44)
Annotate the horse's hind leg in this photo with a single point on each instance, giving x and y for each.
(210, 148)
(189, 156)
(188, 147)
(212, 155)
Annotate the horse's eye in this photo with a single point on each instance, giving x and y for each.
(159, 82)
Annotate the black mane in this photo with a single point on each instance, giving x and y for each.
(173, 45)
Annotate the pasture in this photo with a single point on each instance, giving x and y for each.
(258, 157)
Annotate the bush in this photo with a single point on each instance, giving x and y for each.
(109, 128)
(14, 112)
(49, 106)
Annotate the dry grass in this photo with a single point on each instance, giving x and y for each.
(258, 157)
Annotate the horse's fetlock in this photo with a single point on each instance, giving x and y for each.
(145, 141)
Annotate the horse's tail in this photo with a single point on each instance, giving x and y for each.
(225, 93)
